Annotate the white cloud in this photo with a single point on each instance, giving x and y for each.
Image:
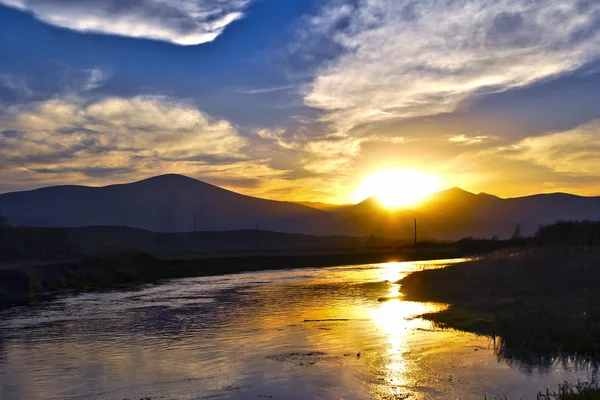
(410, 58)
(96, 78)
(69, 134)
(183, 22)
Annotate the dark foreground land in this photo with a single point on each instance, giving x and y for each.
(546, 298)
(543, 299)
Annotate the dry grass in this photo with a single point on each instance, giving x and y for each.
(589, 390)
(543, 299)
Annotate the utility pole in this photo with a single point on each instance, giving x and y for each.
(415, 232)
(194, 224)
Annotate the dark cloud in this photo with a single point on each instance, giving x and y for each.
(92, 172)
(12, 134)
(210, 159)
(235, 182)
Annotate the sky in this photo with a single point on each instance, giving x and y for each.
(301, 99)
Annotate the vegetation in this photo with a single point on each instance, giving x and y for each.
(44, 244)
(542, 298)
(589, 390)
(579, 391)
(569, 233)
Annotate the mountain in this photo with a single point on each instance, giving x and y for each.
(323, 206)
(369, 205)
(456, 213)
(176, 203)
(167, 203)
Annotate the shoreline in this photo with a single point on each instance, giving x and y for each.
(31, 282)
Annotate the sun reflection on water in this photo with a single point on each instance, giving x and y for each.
(395, 318)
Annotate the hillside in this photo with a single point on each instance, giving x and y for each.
(167, 203)
(456, 213)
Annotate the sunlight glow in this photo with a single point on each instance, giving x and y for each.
(397, 187)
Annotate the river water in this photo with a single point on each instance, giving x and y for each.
(313, 333)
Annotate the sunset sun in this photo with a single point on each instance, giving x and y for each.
(397, 187)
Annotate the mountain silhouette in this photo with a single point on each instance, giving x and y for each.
(176, 203)
(456, 213)
(166, 203)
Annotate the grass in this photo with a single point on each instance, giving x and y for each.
(587, 390)
(464, 320)
(538, 300)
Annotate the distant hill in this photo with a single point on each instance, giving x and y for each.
(323, 206)
(167, 203)
(175, 203)
(456, 213)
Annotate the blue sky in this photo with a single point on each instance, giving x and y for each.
(301, 99)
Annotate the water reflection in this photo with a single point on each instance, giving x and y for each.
(293, 334)
(532, 363)
(397, 320)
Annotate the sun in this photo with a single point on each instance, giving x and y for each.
(397, 187)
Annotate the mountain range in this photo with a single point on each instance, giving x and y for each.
(176, 203)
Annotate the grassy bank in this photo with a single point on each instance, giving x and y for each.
(31, 281)
(578, 391)
(540, 300)
(588, 390)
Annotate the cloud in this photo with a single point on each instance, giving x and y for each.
(265, 90)
(467, 140)
(81, 140)
(16, 83)
(95, 79)
(145, 134)
(575, 152)
(182, 22)
(89, 172)
(423, 57)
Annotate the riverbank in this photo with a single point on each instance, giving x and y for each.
(31, 281)
(542, 300)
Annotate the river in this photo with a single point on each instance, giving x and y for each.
(312, 333)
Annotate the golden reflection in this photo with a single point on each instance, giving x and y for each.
(396, 320)
(391, 318)
(392, 272)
